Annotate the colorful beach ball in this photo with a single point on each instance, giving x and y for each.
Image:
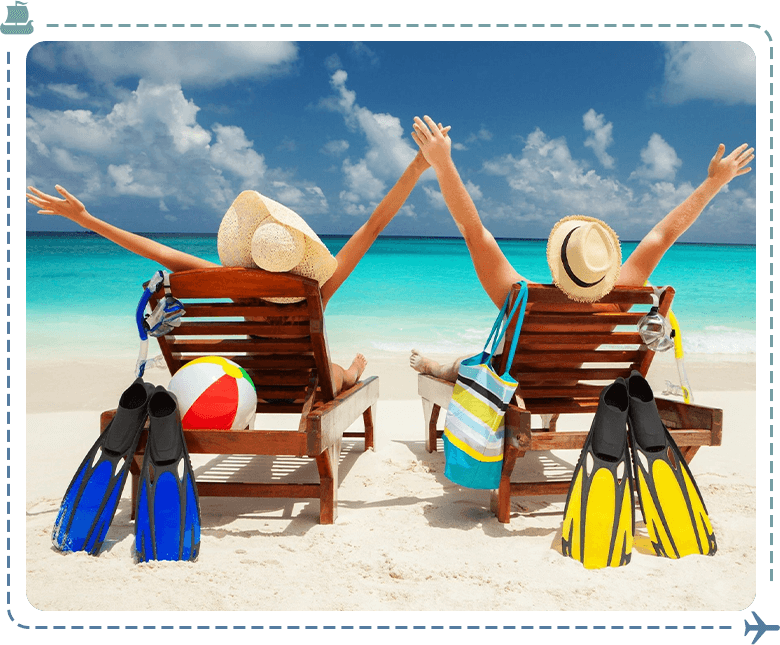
(214, 393)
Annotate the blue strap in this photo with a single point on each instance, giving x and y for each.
(499, 329)
(139, 313)
(522, 300)
(166, 315)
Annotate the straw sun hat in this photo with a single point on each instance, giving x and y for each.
(258, 232)
(584, 257)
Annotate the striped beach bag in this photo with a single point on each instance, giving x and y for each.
(474, 427)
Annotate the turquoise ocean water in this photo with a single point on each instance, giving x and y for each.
(82, 292)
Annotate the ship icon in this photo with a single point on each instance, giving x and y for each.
(18, 21)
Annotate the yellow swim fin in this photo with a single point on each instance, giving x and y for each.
(672, 506)
(598, 521)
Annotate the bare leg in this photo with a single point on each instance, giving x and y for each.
(345, 378)
(446, 372)
(424, 365)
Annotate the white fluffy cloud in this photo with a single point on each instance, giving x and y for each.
(363, 52)
(600, 137)
(388, 147)
(304, 198)
(548, 182)
(361, 182)
(722, 71)
(156, 111)
(150, 145)
(68, 91)
(232, 151)
(77, 130)
(716, 223)
(659, 160)
(335, 147)
(186, 63)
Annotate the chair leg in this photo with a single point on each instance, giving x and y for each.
(328, 467)
(688, 452)
(431, 416)
(369, 416)
(505, 486)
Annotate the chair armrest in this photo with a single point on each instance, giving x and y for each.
(327, 422)
(436, 390)
(682, 418)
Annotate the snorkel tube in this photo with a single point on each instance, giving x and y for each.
(140, 321)
(684, 386)
(684, 389)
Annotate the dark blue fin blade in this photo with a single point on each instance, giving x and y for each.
(191, 542)
(167, 514)
(89, 507)
(62, 523)
(143, 528)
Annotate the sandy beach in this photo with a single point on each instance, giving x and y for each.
(406, 538)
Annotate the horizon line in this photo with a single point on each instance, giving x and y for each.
(396, 236)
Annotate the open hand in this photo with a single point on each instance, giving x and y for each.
(724, 169)
(70, 207)
(433, 140)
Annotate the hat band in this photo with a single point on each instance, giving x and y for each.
(568, 269)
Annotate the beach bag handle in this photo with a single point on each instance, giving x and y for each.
(502, 324)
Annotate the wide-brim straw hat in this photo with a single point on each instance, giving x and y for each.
(259, 232)
(584, 257)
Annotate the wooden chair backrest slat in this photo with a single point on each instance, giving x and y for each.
(281, 346)
(568, 351)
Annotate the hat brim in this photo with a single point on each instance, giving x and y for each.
(246, 213)
(562, 280)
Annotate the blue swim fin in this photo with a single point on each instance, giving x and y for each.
(167, 518)
(93, 495)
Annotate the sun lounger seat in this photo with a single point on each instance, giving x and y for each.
(283, 347)
(567, 353)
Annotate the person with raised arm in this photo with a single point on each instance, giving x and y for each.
(338, 269)
(577, 244)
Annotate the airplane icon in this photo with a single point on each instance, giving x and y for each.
(760, 627)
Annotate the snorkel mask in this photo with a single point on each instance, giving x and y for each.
(661, 334)
(655, 330)
(165, 317)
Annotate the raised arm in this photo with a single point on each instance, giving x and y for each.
(357, 245)
(494, 271)
(71, 208)
(648, 253)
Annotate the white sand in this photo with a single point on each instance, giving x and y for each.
(405, 538)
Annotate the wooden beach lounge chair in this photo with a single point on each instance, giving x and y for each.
(284, 349)
(566, 354)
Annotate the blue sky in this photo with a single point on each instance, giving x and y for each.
(161, 137)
